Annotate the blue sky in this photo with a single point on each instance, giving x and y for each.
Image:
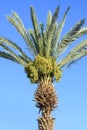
(17, 110)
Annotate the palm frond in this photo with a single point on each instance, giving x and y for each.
(54, 17)
(22, 58)
(43, 39)
(77, 57)
(50, 31)
(15, 20)
(54, 38)
(15, 46)
(80, 33)
(9, 51)
(58, 31)
(8, 56)
(76, 53)
(79, 47)
(49, 19)
(36, 27)
(44, 34)
(33, 40)
(69, 37)
(17, 23)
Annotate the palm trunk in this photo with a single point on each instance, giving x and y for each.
(46, 100)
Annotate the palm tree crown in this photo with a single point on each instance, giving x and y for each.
(46, 65)
(45, 45)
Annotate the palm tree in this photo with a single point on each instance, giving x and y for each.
(48, 58)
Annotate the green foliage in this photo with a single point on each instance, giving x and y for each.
(42, 67)
(8, 56)
(45, 45)
(50, 31)
(75, 54)
(70, 37)
(57, 33)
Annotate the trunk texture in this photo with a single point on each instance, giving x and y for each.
(46, 100)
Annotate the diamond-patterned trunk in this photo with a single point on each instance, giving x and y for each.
(46, 100)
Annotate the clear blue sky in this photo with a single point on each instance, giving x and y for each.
(17, 110)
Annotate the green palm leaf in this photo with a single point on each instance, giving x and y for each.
(9, 51)
(8, 56)
(57, 32)
(76, 53)
(50, 31)
(77, 57)
(15, 20)
(36, 28)
(69, 37)
(33, 40)
(43, 40)
(49, 19)
(15, 46)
